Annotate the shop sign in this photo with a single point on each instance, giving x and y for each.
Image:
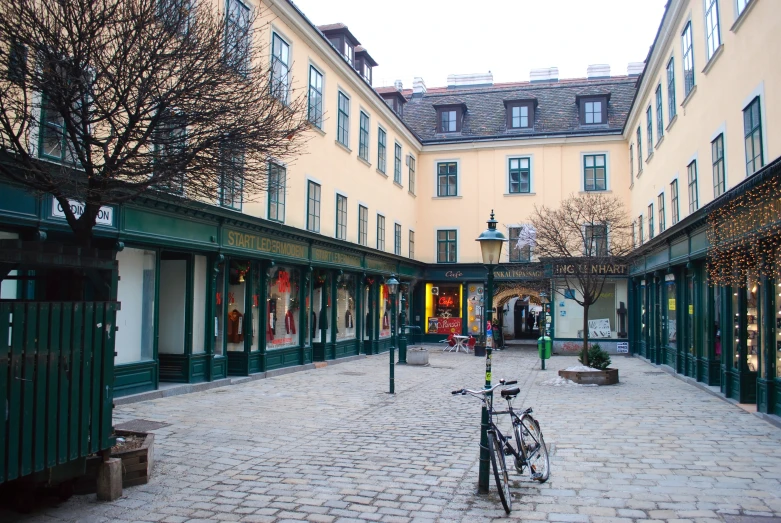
(622, 347)
(340, 258)
(444, 325)
(671, 304)
(599, 328)
(105, 214)
(380, 265)
(257, 243)
(569, 269)
(456, 274)
(524, 273)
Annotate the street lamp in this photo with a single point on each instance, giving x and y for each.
(491, 242)
(393, 285)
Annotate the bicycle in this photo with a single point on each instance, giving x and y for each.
(531, 450)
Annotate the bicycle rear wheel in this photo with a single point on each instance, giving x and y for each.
(500, 471)
(535, 452)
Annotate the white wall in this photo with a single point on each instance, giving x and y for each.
(173, 295)
(131, 295)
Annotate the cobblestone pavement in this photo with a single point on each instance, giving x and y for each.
(329, 445)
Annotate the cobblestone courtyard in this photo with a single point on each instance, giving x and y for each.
(329, 445)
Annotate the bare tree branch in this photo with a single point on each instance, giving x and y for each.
(585, 231)
(105, 100)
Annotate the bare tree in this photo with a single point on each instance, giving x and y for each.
(586, 235)
(103, 100)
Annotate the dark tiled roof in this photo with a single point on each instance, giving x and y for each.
(486, 117)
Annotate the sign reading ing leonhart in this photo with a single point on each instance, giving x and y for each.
(586, 268)
(105, 214)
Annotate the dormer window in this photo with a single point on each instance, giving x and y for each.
(364, 63)
(520, 113)
(395, 101)
(349, 52)
(593, 109)
(450, 118)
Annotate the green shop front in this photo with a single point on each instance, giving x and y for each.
(208, 293)
(706, 294)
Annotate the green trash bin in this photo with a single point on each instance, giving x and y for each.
(544, 345)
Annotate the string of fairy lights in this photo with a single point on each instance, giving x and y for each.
(745, 237)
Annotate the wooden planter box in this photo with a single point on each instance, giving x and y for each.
(136, 463)
(597, 377)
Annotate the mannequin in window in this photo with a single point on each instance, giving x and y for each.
(290, 323)
(385, 320)
(272, 315)
(348, 319)
(235, 326)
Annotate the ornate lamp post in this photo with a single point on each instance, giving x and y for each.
(491, 242)
(402, 327)
(393, 286)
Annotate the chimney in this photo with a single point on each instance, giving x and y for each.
(546, 74)
(598, 71)
(398, 85)
(456, 81)
(635, 68)
(418, 86)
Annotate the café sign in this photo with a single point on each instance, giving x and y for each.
(105, 214)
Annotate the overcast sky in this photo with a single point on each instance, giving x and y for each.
(434, 38)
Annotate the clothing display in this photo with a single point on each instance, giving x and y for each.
(324, 318)
(314, 324)
(348, 320)
(290, 323)
(385, 320)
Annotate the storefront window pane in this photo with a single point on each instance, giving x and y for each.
(672, 324)
(753, 321)
(306, 328)
(136, 292)
(345, 307)
(8, 288)
(384, 312)
(321, 322)
(238, 275)
(257, 312)
(474, 308)
(643, 317)
(173, 296)
(219, 311)
(282, 308)
(443, 308)
(690, 344)
(716, 321)
(199, 304)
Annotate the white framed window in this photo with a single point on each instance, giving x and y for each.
(595, 173)
(519, 175)
(712, 27)
(280, 67)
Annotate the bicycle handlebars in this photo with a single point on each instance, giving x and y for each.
(502, 383)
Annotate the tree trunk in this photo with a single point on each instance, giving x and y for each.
(585, 334)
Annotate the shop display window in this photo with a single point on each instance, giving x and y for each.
(173, 303)
(235, 302)
(136, 319)
(753, 321)
(368, 324)
(602, 314)
(282, 307)
(219, 310)
(717, 338)
(256, 310)
(345, 307)
(321, 300)
(671, 304)
(384, 312)
(199, 304)
(777, 319)
(474, 308)
(643, 313)
(443, 308)
(735, 329)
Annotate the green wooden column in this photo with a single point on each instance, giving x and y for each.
(765, 380)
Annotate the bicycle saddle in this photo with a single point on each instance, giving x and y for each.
(510, 392)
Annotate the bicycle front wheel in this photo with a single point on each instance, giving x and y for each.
(500, 471)
(535, 452)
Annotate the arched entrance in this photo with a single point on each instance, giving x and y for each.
(520, 309)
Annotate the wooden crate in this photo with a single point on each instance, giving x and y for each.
(137, 463)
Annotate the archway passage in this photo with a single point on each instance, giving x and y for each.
(520, 309)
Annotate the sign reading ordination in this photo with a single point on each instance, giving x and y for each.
(254, 242)
(105, 214)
